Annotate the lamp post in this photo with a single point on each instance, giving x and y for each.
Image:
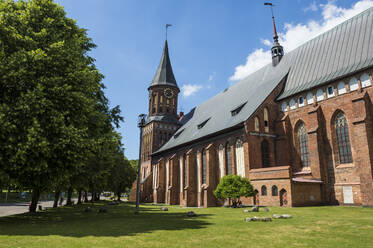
(140, 124)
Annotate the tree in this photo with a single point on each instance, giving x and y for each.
(49, 91)
(122, 175)
(233, 187)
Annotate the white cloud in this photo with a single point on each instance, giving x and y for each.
(190, 89)
(266, 42)
(297, 34)
(311, 7)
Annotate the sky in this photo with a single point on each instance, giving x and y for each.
(212, 44)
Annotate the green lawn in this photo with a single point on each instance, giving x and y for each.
(214, 227)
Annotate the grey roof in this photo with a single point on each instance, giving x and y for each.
(340, 51)
(164, 74)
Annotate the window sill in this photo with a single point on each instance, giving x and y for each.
(349, 165)
(303, 172)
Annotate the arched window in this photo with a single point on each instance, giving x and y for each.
(274, 190)
(265, 153)
(228, 159)
(204, 166)
(240, 162)
(284, 106)
(319, 95)
(221, 161)
(264, 190)
(292, 104)
(256, 122)
(343, 139)
(184, 171)
(266, 122)
(341, 88)
(309, 98)
(354, 85)
(365, 80)
(303, 145)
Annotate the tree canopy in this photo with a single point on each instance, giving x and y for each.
(233, 187)
(55, 121)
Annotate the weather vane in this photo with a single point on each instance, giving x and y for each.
(167, 25)
(275, 36)
(272, 5)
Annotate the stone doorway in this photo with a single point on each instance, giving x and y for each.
(283, 197)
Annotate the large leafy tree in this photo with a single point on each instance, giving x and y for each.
(233, 187)
(49, 89)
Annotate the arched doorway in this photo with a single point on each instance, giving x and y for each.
(283, 198)
(256, 197)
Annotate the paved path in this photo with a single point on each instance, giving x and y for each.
(19, 208)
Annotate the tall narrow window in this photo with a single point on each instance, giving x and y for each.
(221, 161)
(264, 190)
(228, 159)
(343, 139)
(303, 145)
(274, 190)
(256, 122)
(204, 166)
(184, 171)
(240, 162)
(266, 122)
(265, 153)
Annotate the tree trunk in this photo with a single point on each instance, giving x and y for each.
(79, 197)
(118, 196)
(85, 196)
(69, 194)
(93, 196)
(34, 200)
(56, 197)
(98, 196)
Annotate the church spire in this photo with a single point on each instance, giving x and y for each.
(277, 50)
(164, 74)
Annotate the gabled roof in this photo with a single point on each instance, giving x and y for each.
(164, 74)
(345, 49)
(342, 50)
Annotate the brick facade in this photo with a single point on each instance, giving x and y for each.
(325, 181)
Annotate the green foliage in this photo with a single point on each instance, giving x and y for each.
(122, 175)
(233, 187)
(55, 122)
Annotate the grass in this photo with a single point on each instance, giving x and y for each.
(214, 227)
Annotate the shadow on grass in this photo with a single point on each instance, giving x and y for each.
(120, 220)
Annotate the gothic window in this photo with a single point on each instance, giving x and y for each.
(274, 190)
(292, 104)
(266, 122)
(303, 145)
(228, 159)
(264, 190)
(301, 101)
(256, 120)
(204, 166)
(284, 106)
(221, 161)
(184, 171)
(240, 162)
(265, 153)
(343, 140)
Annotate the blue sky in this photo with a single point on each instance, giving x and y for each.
(212, 44)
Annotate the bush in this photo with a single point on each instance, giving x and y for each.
(233, 187)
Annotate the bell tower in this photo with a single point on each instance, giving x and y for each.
(163, 120)
(277, 50)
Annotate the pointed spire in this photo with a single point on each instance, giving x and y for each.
(277, 50)
(164, 74)
(275, 36)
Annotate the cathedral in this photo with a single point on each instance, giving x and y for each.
(300, 129)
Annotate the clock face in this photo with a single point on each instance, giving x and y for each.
(168, 93)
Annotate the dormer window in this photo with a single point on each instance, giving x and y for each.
(203, 124)
(238, 109)
(178, 134)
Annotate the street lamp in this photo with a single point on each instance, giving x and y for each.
(140, 124)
